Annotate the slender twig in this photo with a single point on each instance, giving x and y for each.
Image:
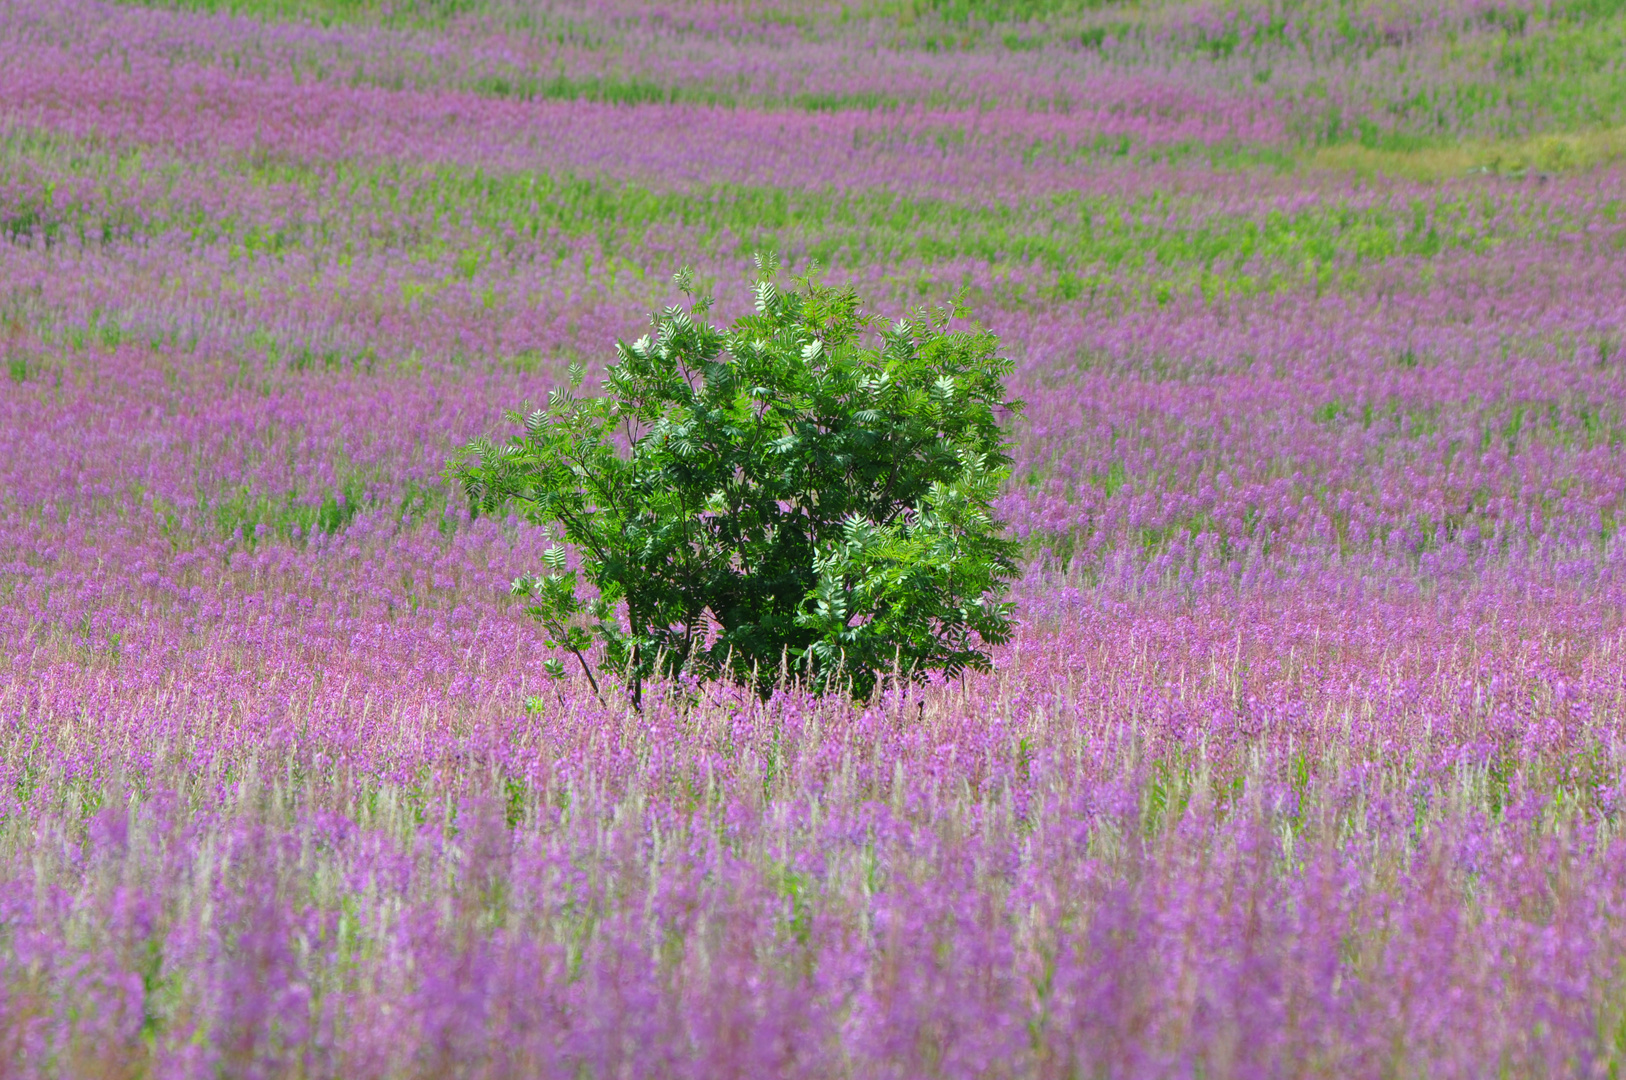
(588, 671)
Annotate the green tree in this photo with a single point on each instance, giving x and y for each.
(774, 497)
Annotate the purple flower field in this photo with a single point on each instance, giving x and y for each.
(1308, 758)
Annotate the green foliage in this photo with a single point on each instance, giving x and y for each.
(774, 496)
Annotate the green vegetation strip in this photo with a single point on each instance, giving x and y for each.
(1075, 242)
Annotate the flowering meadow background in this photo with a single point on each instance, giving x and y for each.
(1309, 758)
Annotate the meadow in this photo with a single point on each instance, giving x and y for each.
(1308, 758)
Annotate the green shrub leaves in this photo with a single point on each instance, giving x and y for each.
(777, 497)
